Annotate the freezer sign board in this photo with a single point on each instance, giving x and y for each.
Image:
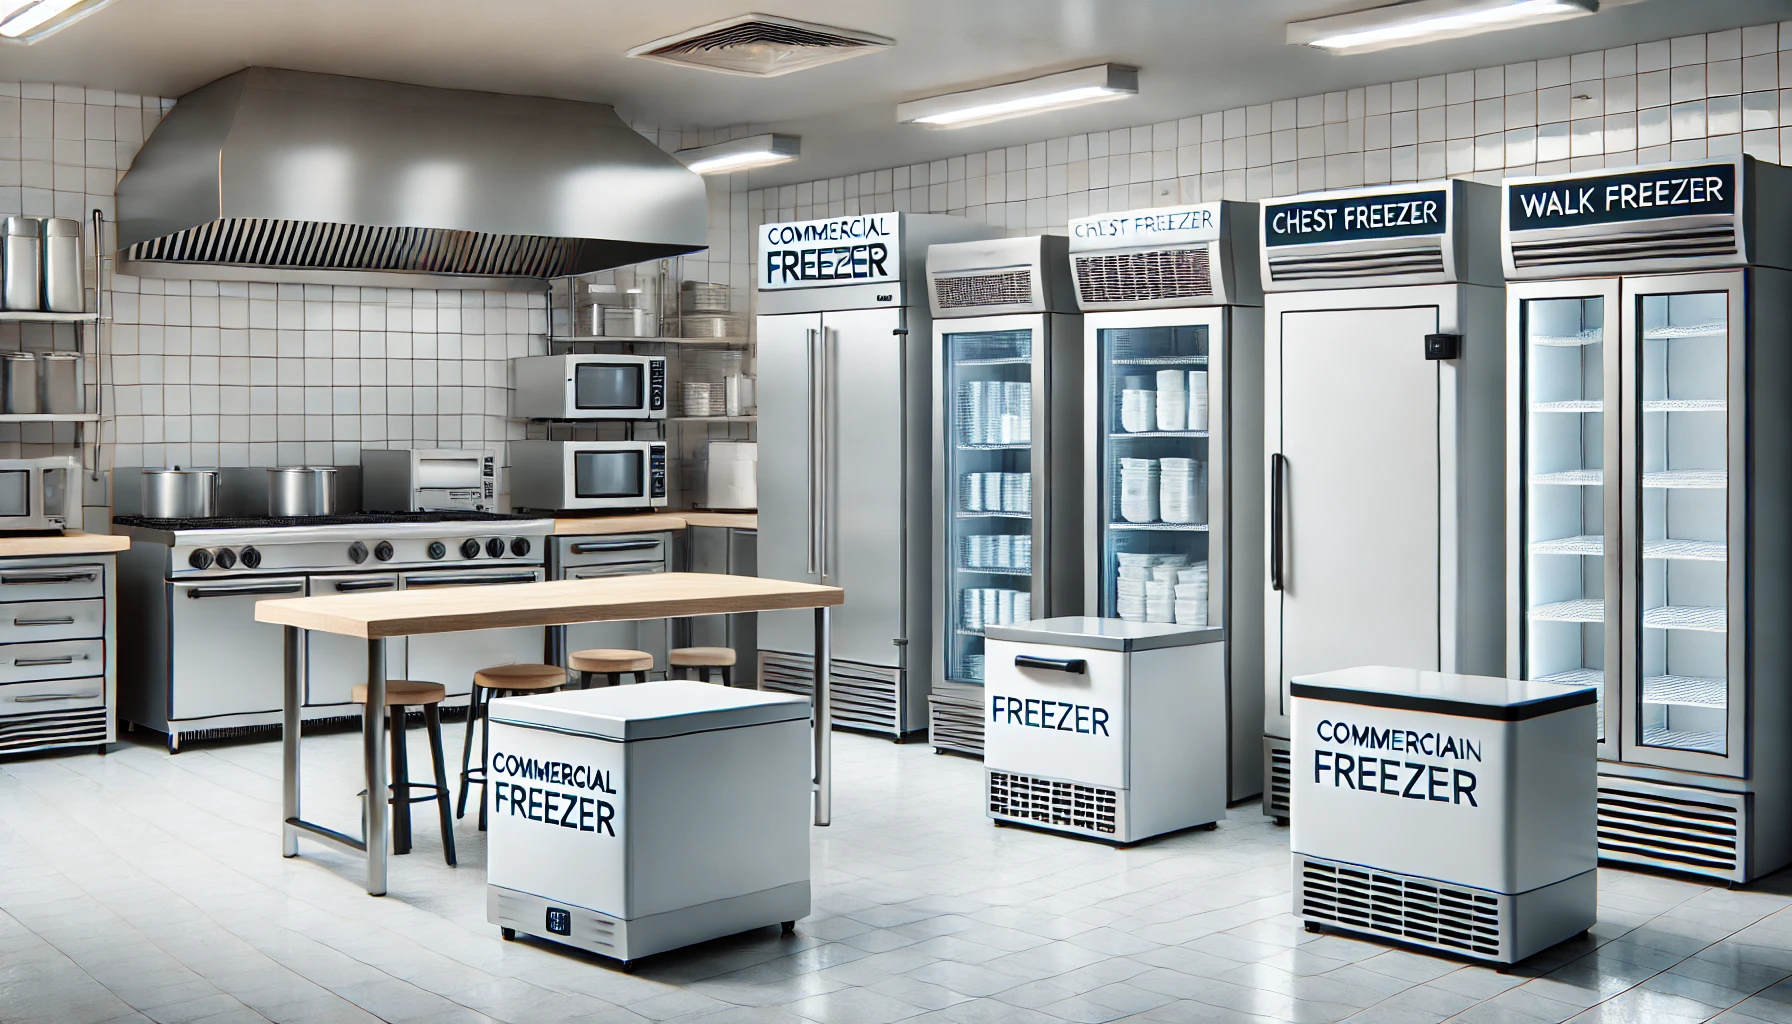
(1164, 226)
(1618, 198)
(862, 249)
(555, 794)
(1356, 219)
(1391, 761)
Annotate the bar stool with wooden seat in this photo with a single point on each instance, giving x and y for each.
(700, 660)
(402, 694)
(610, 662)
(497, 681)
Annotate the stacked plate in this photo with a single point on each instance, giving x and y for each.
(1146, 585)
(995, 492)
(1191, 595)
(995, 412)
(1179, 490)
(993, 606)
(1172, 399)
(1138, 405)
(1197, 399)
(704, 399)
(1139, 490)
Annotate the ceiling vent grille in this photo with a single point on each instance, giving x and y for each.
(1442, 916)
(1423, 259)
(761, 45)
(1004, 288)
(1678, 829)
(1152, 275)
(1651, 245)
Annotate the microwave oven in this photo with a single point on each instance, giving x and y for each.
(40, 494)
(591, 387)
(429, 480)
(574, 476)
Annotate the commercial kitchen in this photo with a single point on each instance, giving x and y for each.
(972, 511)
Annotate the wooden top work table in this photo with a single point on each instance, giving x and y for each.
(376, 617)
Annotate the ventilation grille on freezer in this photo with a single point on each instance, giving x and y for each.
(1280, 776)
(589, 928)
(1006, 288)
(1401, 907)
(955, 725)
(761, 45)
(1420, 259)
(1647, 245)
(864, 696)
(1090, 809)
(1671, 827)
(1145, 276)
(296, 244)
(20, 733)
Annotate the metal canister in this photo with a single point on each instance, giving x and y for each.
(59, 383)
(18, 383)
(302, 491)
(21, 276)
(180, 493)
(62, 265)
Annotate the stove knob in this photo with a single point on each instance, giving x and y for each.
(519, 547)
(383, 551)
(494, 548)
(469, 549)
(357, 552)
(250, 558)
(200, 559)
(437, 549)
(226, 558)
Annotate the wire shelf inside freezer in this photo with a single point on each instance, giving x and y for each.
(1577, 406)
(1687, 550)
(990, 570)
(1001, 361)
(1686, 479)
(1571, 478)
(1683, 739)
(1585, 609)
(961, 514)
(1685, 405)
(1590, 336)
(1127, 435)
(1177, 527)
(1161, 361)
(1689, 617)
(1575, 676)
(1672, 332)
(1585, 544)
(1688, 691)
(1010, 446)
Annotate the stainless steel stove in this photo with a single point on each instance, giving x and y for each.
(194, 662)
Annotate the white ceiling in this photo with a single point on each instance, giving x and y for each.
(1195, 56)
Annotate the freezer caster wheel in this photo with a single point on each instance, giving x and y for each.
(508, 933)
(628, 966)
(103, 749)
(1282, 822)
(1210, 826)
(1312, 926)
(789, 927)
(173, 743)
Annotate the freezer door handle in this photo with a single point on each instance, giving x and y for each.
(1074, 666)
(1278, 467)
(815, 422)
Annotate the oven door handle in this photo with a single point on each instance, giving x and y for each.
(246, 590)
(467, 581)
(349, 585)
(586, 547)
(56, 577)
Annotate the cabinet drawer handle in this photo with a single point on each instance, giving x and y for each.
(1074, 666)
(467, 581)
(586, 547)
(351, 585)
(66, 620)
(246, 590)
(61, 577)
(38, 698)
(66, 659)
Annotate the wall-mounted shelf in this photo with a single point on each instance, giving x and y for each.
(713, 419)
(586, 339)
(37, 317)
(49, 417)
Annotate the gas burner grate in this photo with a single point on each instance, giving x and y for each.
(348, 519)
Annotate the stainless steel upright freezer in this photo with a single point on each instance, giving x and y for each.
(1384, 412)
(1173, 397)
(845, 402)
(1007, 471)
(1649, 486)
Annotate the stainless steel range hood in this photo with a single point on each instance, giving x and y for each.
(314, 175)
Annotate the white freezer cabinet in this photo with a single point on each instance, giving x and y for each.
(630, 820)
(1448, 811)
(1105, 728)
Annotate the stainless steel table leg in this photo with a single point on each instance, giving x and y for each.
(824, 719)
(373, 742)
(289, 738)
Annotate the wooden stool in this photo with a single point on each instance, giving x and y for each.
(400, 694)
(702, 659)
(497, 681)
(612, 662)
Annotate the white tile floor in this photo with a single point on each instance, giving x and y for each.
(141, 886)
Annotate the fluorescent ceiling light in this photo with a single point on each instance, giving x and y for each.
(742, 154)
(1420, 21)
(25, 21)
(1096, 84)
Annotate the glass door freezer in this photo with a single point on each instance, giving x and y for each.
(1648, 486)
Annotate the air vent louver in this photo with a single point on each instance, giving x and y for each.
(1090, 809)
(1145, 276)
(864, 696)
(1423, 259)
(1670, 827)
(1004, 288)
(955, 726)
(313, 245)
(19, 733)
(1410, 909)
(1651, 245)
(1280, 782)
(761, 45)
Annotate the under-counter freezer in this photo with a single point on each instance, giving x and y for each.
(1649, 555)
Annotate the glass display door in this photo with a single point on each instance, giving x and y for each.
(1688, 448)
(988, 431)
(1151, 444)
(1568, 343)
